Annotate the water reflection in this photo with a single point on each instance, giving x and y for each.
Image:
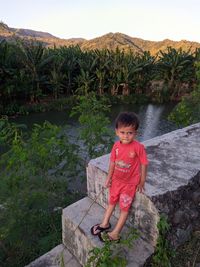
(150, 119)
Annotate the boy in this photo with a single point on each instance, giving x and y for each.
(127, 173)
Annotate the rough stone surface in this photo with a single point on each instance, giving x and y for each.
(58, 256)
(78, 239)
(172, 187)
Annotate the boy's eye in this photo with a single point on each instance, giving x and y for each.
(127, 133)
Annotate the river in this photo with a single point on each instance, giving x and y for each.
(153, 119)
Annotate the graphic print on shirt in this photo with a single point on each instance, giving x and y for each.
(122, 164)
(116, 151)
(132, 154)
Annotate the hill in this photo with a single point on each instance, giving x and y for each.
(108, 41)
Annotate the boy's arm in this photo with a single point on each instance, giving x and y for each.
(140, 186)
(110, 173)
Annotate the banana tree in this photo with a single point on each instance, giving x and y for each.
(35, 59)
(85, 79)
(9, 73)
(102, 65)
(57, 78)
(115, 75)
(175, 67)
(70, 66)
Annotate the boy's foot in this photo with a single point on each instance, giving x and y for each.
(97, 229)
(106, 237)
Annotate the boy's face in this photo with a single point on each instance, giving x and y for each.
(126, 134)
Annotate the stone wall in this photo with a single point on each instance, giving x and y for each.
(182, 208)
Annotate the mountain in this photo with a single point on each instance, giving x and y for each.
(108, 41)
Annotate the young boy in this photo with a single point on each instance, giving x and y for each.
(126, 175)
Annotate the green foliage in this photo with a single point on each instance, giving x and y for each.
(176, 67)
(35, 174)
(163, 252)
(9, 132)
(188, 110)
(33, 189)
(112, 254)
(94, 131)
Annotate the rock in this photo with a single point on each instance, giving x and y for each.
(183, 235)
(196, 198)
(179, 217)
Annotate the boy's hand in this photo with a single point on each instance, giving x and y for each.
(107, 183)
(140, 188)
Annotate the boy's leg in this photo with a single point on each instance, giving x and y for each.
(125, 200)
(120, 223)
(107, 215)
(105, 225)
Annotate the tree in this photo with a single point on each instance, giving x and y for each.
(94, 132)
(188, 110)
(34, 58)
(176, 67)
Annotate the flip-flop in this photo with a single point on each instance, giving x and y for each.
(97, 229)
(104, 237)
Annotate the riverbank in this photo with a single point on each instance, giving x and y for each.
(66, 103)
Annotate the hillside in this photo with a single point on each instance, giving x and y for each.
(108, 41)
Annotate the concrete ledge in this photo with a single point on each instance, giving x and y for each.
(80, 241)
(56, 257)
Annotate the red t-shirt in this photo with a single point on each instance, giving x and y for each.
(128, 159)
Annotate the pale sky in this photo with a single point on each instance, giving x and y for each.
(154, 20)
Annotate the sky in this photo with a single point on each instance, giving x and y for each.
(153, 20)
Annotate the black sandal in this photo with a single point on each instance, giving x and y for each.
(97, 229)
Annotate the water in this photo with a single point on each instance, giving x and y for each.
(153, 119)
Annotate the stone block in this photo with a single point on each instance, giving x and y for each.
(56, 257)
(78, 218)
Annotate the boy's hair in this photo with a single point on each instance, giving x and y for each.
(125, 119)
